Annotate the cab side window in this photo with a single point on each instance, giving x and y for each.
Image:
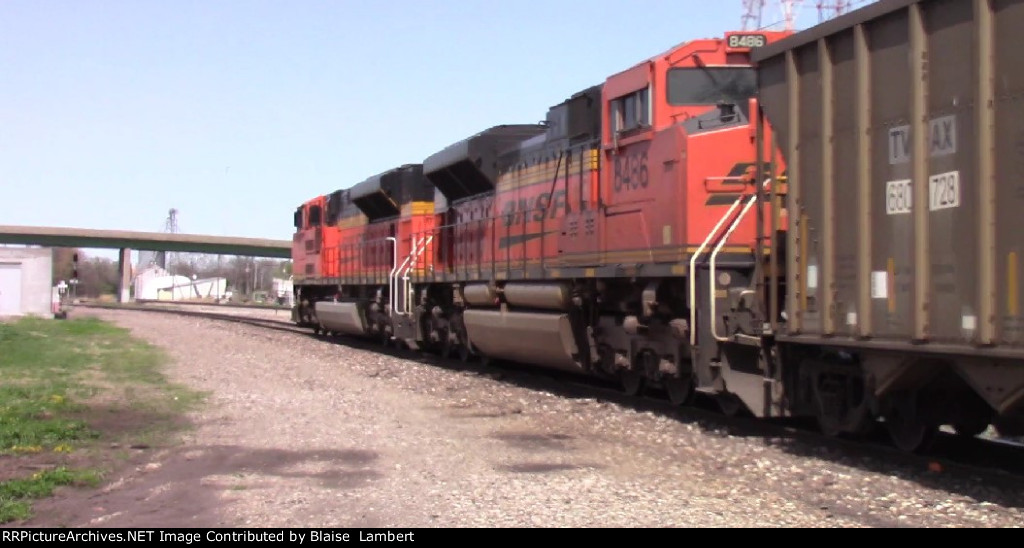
(632, 111)
(315, 216)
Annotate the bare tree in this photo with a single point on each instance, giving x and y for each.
(63, 263)
(97, 276)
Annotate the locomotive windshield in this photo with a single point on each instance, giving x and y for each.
(711, 85)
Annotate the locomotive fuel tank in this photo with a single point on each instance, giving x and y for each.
(480, 295)
(550, 296)
(528, 337)
(344, 318)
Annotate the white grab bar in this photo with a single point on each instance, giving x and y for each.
(693, 269)
(711, 272)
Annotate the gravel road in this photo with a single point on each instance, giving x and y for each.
(300, 432)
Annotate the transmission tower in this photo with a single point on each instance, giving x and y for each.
(830, 10)
(784, 13)
(752, 10)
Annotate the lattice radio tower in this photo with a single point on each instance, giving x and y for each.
(170, 227)
(159, 258)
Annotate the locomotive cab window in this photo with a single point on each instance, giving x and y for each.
(333, 209)
(297, 221)
(314, 216)
(631, 112)
(711, 85)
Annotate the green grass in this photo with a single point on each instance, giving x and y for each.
(34, 417)
(16, 494)
(58, 379)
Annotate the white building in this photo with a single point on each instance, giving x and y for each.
(26, 279)
(154, 283)
(283, 289)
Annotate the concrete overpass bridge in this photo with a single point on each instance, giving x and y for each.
(126, 241)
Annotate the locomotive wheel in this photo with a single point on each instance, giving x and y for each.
(632, 382)
(680, 390)
(447, 348)
(464, 353)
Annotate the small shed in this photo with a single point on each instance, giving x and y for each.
(26, 280)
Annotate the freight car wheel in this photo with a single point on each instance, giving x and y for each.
(970, 429)
(906, 431)
(729, 404)
(912, 438)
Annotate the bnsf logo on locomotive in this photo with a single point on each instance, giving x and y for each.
(747, 41)
(519, 211)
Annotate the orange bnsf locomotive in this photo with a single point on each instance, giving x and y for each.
(656, 230)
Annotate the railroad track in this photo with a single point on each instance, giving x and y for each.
(279, 324)
(223, 305)
(994, 459)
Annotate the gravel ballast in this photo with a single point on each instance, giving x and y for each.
(301, 432)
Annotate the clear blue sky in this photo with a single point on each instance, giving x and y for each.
(236, 111)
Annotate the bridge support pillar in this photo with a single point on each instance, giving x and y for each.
(124, 269)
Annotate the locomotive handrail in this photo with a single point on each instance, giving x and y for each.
(394, 268)
(692, 279)
(395, 274)
(714, 256)
(417, 251)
